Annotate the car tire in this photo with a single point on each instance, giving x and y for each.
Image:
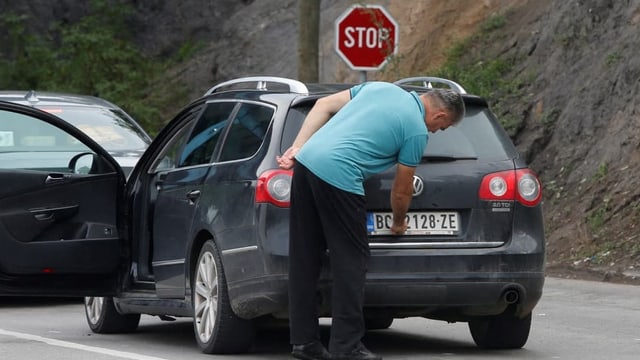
(217, 328)
(377, 323)
(104, 318)
(500, 331)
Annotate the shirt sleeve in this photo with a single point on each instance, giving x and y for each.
(411, 151)
(356, 89)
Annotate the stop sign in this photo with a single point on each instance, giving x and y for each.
(366, 36)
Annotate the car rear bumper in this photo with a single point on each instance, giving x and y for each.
(444, 283)
(455, 299)
(439, 288)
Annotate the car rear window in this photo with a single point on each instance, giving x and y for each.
(478, 136)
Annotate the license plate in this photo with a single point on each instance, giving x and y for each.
(420, 223)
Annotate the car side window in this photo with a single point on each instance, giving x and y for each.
(247, 131)
(292, 125)
(168, 158)
(206, 134)
(31, 143)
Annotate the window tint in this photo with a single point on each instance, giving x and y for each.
(206, 134)
(169, 157)
(247, 131)
(295, 118)
(30, 143)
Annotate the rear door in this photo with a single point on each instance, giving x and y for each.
(59, 199)
(179, 189)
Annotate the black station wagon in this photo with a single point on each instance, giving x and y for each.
(200, 229)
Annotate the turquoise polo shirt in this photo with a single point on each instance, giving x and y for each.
(381, 126)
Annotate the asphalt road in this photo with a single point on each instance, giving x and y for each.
(574, 320)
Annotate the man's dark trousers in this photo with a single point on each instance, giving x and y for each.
(325, 217)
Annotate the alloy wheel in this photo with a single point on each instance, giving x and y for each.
(206, 297)
(94, 306)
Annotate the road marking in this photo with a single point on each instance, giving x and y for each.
(70, 345)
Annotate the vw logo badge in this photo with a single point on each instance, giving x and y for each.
(418, 186)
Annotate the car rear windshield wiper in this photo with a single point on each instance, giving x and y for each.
(444, 158)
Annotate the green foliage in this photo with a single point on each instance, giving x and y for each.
(563, 39)
(93, 56)
(549, 117)
(468, 63)
(612, 59)
(597, 217)
(495, 22)
(29, 53)
(601, 173)
(188, 49)
(484, 78)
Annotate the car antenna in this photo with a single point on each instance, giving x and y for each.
(31, 97)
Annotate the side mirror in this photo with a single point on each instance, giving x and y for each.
(82, 163)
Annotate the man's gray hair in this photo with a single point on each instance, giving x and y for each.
(450, 101)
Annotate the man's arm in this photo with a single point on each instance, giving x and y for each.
(401, 193)
(320, 113)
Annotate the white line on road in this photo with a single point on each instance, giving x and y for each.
(70, 345)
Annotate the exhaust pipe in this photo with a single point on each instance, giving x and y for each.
(511, 296)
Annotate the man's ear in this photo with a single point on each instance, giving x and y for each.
(441, 114)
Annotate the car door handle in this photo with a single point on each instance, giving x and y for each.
(44, 216)
(193, 195)
(55, 178)
(54, 213)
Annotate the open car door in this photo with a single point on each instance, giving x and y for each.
(60, 199)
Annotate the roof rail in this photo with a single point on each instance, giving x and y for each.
(294, 85)
(428, 80)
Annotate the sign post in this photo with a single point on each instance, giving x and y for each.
(366, 37)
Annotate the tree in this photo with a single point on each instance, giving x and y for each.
(308, 33)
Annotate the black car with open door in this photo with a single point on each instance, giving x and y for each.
(200, 229)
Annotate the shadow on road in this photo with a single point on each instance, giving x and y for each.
(36, 301)
(401, 341)
(273, 342)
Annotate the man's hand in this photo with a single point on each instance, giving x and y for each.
(320, 113)
(399, 229)
(288, 159)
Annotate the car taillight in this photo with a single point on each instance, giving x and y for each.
(274, 187)
(522, 185)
